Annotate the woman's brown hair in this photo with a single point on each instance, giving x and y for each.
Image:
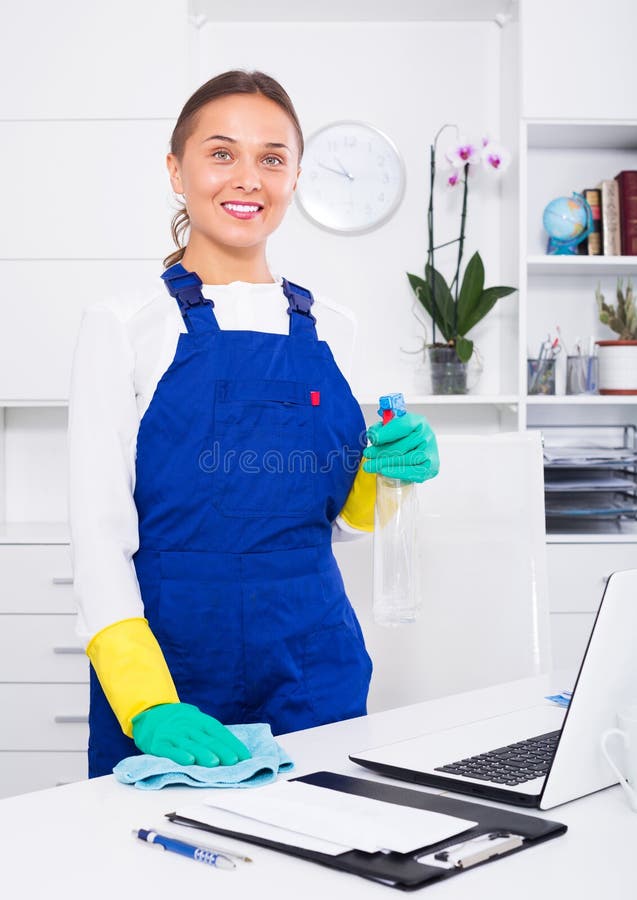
(236, 81)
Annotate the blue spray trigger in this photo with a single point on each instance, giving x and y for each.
(393, 402)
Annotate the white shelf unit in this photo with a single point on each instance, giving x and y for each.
(557, 158)
(567, 266)
(595, 400)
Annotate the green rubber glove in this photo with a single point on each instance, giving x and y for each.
(404, 448)
(181, 732)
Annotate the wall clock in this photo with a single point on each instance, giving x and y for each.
(352, 178)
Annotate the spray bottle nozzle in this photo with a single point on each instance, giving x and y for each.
(390, 405)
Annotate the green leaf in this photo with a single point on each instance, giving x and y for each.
(485, 304)
(422, 290)
(464, 349)
(470, 291)
(444, 302)
(616, 324)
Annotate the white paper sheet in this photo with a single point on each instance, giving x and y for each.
(221, 818)
(335, 816)
(576, 456)
(589, 484)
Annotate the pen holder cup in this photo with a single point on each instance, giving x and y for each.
(582, 374)
(540, 375)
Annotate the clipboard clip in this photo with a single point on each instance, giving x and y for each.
(475, 850)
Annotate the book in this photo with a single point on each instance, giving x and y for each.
(611, 232)
(582, 247)
(627, 182)
(593, 197)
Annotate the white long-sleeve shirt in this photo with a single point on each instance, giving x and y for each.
(125, 345)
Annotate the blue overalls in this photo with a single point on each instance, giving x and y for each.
(245, 457)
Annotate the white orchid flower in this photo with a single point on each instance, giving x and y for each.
(495, 157)
(461, 153)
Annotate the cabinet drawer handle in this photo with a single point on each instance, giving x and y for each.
(68, 650)
(71, 720)
(62, 579)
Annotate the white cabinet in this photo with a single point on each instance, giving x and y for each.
(41, 648)
(22, 772)
(577, 576)
(43, 671)
(95, 91)
(578, 573)
(42, 305)
(102, 152)
(36, 579)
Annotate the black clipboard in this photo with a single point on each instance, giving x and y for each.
(403, 870)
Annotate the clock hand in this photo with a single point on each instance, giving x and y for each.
(343, 169)
(336, 171)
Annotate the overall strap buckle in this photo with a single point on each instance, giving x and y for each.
(185, 287)
(300, 300)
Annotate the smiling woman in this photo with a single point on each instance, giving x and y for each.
(210, 592)
(236, 151)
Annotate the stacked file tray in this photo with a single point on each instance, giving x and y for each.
(590, 476)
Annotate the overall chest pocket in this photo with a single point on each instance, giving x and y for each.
(263, 447)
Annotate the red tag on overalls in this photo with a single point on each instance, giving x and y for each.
(315, 398)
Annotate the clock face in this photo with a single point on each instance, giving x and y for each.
(352, 178)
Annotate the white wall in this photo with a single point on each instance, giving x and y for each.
(408, 79)
(90, 93)
(576, 59)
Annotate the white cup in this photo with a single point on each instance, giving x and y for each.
(626, 771)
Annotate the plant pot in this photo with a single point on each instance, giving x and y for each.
(448, 373)
(617, 367)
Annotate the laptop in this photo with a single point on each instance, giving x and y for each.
(543, 755)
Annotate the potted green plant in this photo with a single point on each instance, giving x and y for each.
(618, 358)
(456, 307)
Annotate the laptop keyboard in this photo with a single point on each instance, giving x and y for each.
(509, 765)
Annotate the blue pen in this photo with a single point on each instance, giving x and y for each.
(200, 854)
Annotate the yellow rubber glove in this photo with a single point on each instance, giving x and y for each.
(358, 511)
(131, 669)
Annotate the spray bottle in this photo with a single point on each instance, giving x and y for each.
(396, 599)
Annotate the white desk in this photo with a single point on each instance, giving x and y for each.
(75, 841)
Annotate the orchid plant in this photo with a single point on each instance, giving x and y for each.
(457, 307)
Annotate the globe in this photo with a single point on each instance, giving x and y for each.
(568, 221)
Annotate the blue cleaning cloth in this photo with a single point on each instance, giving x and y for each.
(150, 773)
